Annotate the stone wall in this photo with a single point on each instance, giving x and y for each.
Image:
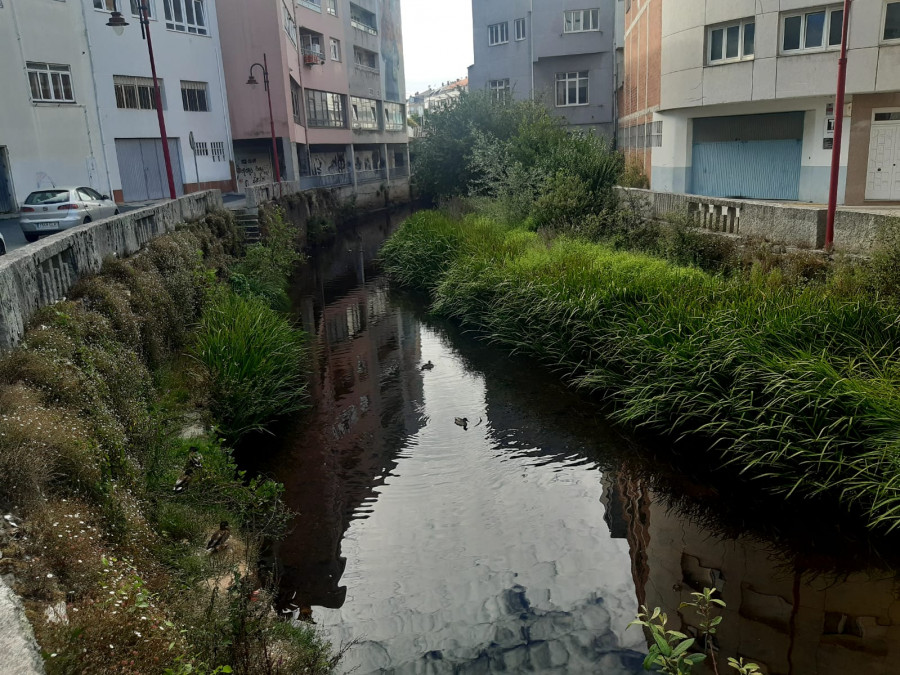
(42, 273)
(792, 224)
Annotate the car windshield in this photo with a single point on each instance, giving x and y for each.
(48, 197)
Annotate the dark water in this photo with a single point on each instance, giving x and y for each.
(526, 542)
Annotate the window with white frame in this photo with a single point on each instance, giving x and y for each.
(520, 29)
(331, 7)
(50, 82)
(811, 30)
(498, 33)
(135, 93)
(325, 109)
(116, 6)
(218, 151)
(731, 42)
(364, 113)
(394, 116)
(335, 49)
(295, 102)
(581, 20)
(186, 16)
(572, 89)
(499, 89)
(891, 21)
(290, 26)
(194, 97)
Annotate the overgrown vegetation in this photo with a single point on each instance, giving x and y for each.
(93, 406)
(795, 386)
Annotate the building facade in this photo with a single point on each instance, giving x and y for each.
(337, 84)
(555, 51)
(49, 127)
(746, 99)
(189, 66)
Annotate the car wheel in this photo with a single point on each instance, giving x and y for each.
(116, 213)
(2, 248)
(31, 237)
(87, 219)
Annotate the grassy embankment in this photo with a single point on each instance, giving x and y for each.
(93, 406)
(796, 385)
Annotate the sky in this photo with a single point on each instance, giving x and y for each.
(437, 41)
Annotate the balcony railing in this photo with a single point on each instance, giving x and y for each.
(312, 57)
(369, 69)
(315, 5)
(364, 27)
(399, 172)
(326, 180)
(371, 176)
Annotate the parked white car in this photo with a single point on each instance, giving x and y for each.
(57, 209)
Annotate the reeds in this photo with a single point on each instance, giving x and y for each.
(794, 386)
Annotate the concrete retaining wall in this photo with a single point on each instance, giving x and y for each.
(793, 224)
(42, 273)
(367, 195)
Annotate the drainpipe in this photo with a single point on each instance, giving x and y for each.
(87, 37)
(838, 130)
(531, 44)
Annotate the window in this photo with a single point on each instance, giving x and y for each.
(218, 151)
(290, 26)
(520, 29)
(135, 93)
(812, 31)
(498, 33)
(315, 5)
(572, 88)
(886, 117)
(116, 6)
(335, 50)
(365, 59)
(581, 20)
(394, 117)
(311, 44)
(201, 149)
(365, 112)
(186, 16)
(324, 109)
(499, 90)
(50, 82)
(363, 19)
(194, 97)
(295, 102)
(731, 43)
(331, 7)
(891, 21)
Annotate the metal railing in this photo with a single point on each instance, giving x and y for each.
(371, 175)
(366, 28)
(326, 180)
(399, 172)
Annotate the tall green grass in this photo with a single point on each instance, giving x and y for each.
(796, 387)
(254, 360)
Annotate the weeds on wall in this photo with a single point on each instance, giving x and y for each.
(110, 560)
(792, 385)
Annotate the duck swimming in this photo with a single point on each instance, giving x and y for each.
(427, 366)
(462, 422)
(219, 540)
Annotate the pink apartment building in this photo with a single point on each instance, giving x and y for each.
(337, 86)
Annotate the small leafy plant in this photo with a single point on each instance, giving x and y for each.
(674, 653)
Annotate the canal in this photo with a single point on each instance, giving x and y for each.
(477, 517)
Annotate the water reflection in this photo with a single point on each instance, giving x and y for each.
(526, 543)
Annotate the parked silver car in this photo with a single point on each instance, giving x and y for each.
(56, 209)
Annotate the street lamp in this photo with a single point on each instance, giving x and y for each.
(117, 23)
(251, 81)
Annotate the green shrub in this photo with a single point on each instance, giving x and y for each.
(885, 265)
(254, 361)
(634, 176)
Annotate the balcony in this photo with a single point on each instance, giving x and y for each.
(312, 57)
(371, 176)
(364, 27)
(315, 5)
(326, 180)
(400, 172)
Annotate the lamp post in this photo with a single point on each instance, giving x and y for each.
(117, 23)
(838, 130)
(252, 80)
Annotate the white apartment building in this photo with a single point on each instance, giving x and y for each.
(188, 58)
(747, 92)
(49, 128)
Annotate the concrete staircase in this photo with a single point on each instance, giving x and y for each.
(249, 223)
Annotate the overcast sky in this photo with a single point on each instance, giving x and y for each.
(437, 41)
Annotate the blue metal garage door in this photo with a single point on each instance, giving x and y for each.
(748, 156)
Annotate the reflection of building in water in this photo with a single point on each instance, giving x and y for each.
(804, 624)
(368, 389)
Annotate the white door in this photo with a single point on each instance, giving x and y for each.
(883, 172)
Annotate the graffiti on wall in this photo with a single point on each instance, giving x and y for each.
(392, 50)
(327, 163)
(252, 168)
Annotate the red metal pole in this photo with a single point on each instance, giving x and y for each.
(838, 130)
(145, 23)
(272, 121)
